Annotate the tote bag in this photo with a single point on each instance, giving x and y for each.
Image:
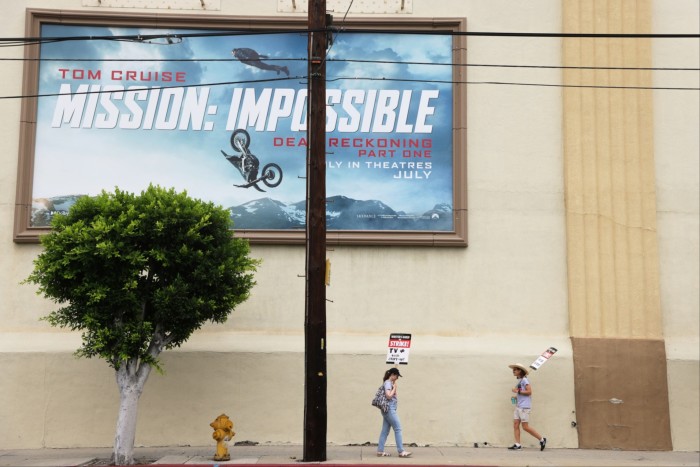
(380, 401)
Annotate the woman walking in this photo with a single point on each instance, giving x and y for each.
(521, 414)
(391, 418)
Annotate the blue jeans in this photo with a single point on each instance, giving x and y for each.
(391, 420)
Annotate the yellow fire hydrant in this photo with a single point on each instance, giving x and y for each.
(223, 432)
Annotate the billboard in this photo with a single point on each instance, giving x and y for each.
(222, 113)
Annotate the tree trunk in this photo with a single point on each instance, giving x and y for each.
(131, 385)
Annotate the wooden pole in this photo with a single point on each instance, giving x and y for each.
(315, 401)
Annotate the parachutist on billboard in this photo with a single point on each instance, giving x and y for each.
(252, 58)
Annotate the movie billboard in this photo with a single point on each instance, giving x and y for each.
(224, 117)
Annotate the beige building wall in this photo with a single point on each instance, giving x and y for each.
(676, 151)
(472, 311)
(612, 234)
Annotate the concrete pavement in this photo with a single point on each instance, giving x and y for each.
(275, 455)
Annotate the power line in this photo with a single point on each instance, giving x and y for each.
(573, 35)
(352, 60)
(360, 78)
(337, 31)
(14, 41)
(139, 88)
(504, 83)
(557, 67)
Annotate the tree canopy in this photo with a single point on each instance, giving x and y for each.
(139, 273)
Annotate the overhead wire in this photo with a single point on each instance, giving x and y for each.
(353, 60)
(176, 38)
(432, 32)
(337, 32)
(357, 78)
(504, 83)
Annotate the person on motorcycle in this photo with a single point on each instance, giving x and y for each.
(247, 165)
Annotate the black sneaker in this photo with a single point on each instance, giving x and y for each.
(515, 447)
(543, 443)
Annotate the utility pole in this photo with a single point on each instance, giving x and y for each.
(315, 399)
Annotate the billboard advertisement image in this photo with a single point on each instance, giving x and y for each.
(222, 114)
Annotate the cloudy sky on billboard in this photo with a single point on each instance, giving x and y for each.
(390, 137)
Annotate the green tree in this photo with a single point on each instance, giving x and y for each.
(138, 275)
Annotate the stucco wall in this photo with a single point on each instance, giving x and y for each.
(677, 150)
(74, 402)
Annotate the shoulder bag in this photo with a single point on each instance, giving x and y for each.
(380, 401)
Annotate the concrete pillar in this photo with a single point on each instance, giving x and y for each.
(612, 247)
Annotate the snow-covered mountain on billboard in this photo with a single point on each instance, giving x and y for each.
(342, 213)
(350, 214)
(43, 209)
(440, 215)
(266, 213)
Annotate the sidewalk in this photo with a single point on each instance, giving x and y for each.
(354, 455)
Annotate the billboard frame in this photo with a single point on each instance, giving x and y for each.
(24, 232)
